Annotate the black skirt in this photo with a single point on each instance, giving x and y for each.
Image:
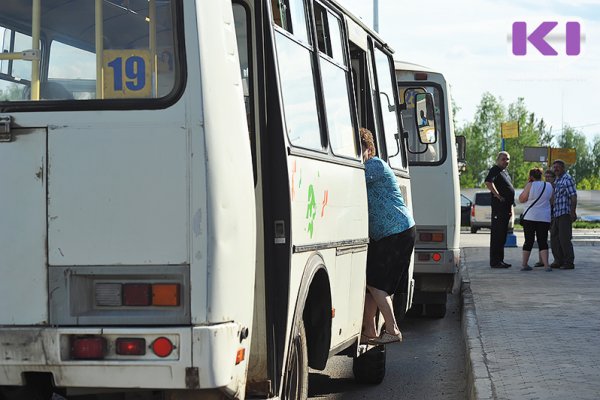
(388, 260)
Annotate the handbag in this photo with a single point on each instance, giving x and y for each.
(532, 204)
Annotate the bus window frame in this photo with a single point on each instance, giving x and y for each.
(69, 105)
(443, 128)
(402, 150)
(251, 111)
(346, 67)
(325, 153)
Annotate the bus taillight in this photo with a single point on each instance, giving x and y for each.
(162, 347)
(131, 346)
(165, 294)
(138, 294)
(88, 348)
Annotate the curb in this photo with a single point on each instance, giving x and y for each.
(479, 382)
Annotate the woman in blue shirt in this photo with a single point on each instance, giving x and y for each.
(392, 240)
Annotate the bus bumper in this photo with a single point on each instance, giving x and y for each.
(203, 357)
(435, 269)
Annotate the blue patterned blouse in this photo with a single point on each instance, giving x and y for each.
(388, 214)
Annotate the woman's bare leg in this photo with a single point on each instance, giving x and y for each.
(384, 302)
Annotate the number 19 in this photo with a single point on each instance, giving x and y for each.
(135, 71)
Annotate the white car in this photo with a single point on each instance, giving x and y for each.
(481, 212)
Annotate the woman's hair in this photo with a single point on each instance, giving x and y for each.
(536, 174)
(366, 140)
(550, 172)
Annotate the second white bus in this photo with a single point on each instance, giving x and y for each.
(434, 168)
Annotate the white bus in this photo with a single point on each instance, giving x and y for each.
(434, 169)
(183, 198)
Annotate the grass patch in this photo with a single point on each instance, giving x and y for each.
(576, 225)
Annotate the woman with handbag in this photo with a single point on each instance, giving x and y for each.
(536, 218)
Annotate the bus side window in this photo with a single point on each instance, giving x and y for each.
(335, 82)
(291, 16)
(296, 71)
(362, 93)
(387, 100)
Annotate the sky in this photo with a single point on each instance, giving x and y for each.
(469, 41)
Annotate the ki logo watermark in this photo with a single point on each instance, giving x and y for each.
(546, 38)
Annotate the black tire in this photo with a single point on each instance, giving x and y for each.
(399, 301)
(435, 310)
(295, 378)
(369, 367)
(415, 311)
(19, 393)
(473, 229)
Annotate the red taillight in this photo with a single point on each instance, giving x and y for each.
(425, 237)
(436, 257)
(473, 210)
(162, 347)
(131, 346)
(137, 294)
(88, 348)
(423, 256)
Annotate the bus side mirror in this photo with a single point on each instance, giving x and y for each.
(461, 149)
(461, 153)
(425, 118)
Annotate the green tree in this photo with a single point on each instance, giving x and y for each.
(483, 140)
(546, 135)
(529, 136)
(570, 138)
(595, 154)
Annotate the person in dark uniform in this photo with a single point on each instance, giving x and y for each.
(503, 198)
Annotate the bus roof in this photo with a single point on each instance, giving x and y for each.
(408, 66)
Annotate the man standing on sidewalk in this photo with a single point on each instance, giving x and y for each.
(563, 215)
(503, 197)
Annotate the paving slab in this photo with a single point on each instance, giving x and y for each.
(534, 334)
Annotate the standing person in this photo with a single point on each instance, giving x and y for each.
(536, 218)
(392, 240)
(564, 213)
(503, 197)
(550, 177)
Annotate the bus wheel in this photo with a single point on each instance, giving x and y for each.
(295, 380)
(435, 310)
(370, 367)
(415, 310)
(473, 229)
(399, 302)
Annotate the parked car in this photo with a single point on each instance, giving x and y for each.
(481, 212)
(465, 210)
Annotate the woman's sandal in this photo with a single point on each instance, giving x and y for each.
(386, 338)
(364, 339)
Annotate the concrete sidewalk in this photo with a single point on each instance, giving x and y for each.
(535, 334)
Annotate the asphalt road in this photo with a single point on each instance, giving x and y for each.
(428, 364)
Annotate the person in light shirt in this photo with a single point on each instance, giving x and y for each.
(537, 195)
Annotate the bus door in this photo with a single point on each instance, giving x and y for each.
(23, 186)
(23, 221)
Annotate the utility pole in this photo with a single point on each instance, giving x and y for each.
(376, 15)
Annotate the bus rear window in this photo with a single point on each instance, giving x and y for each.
(120, 50)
